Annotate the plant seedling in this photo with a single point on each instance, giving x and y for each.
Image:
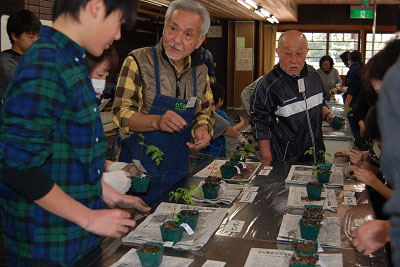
(186, 216)
(154, 151)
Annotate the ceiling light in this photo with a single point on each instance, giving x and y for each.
(270, 20)
(265, 12)
(275, 19)
(243, 4)
(154, 2)
(252, 3)
(259, 13)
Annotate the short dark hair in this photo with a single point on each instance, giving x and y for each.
(110, 55)
(218, 91)
(345, 57)
(381, 62)
(326, 58)
(23, 21)
(355, 56)
(73, 7)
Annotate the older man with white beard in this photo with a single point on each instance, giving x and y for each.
(287, 106)
(165, 95)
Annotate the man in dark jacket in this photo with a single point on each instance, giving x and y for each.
(354, 84)
(288, 105)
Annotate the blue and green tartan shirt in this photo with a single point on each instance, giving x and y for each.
(49, 120)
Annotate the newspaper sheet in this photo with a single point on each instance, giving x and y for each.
(212, 169)
(149, 229)
(131, 259)
(298, 198)
(258, 257)
(329, 234)
(302, 174)
(227, 194)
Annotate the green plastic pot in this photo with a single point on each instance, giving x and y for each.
(323, 177)
(210, 191)
(191, 220)
(302, 251)
(238, 163)
(171, 235)
(325, 166)
(140, 184)
(150, 259)
(228, 171)
(313, 193)
(337, 122)
(309, 232)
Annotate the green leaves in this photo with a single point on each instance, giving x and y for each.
(154, 151)
(185, 194)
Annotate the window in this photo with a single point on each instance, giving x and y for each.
(339, 43)
(380, 40)
(333, 44)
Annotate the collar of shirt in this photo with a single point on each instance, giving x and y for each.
(63, 42)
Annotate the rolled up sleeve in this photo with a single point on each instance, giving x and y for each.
(205, 111)
(128, 96)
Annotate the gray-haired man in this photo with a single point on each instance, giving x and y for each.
(165, 95)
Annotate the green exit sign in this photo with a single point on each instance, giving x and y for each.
(361, 12)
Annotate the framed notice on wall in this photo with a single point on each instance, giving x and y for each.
(244, 59)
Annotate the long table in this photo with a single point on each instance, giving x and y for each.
(262, 218)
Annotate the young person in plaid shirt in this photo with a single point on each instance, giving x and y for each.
(53, 145)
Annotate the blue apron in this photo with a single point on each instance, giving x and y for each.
(174, 166)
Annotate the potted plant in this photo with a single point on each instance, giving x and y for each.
(338, 122)
(150, 254)
(309, 229)
(213, 180)
(228, 171)
(314, 190)
(313, 216)
(171, 231)
(303, 260)
(323, 170)
(210, 190)
(188, 215)
(140, 183)
(305, 247)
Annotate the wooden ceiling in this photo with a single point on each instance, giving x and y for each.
(284, 10)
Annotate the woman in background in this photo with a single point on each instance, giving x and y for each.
(329, 75)
(100, 68)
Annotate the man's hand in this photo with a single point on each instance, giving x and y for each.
(365, 176)
(114, 199)
(136, 204)
(371, 236)
(355, 155)
(202, 139)
(171, 122)
(329, 118)
(112, 223)
(266, 162)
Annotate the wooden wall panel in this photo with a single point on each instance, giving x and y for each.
(243, 78)
(230, 63)
(41, 8)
